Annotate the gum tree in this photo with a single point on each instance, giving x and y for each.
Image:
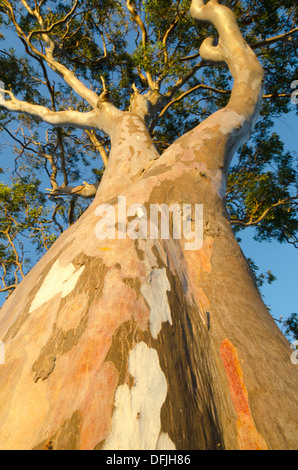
(141, 343)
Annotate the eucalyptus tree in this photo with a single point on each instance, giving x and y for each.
(123, 336)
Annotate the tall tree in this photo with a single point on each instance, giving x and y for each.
(135, 342)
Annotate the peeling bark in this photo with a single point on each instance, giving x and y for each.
(143, 344)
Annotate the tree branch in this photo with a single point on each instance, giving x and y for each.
(5, 289)
(192, 90)
(167, 35)
(182, 96)
(18, 262)
(239, 116)
(214, 90)
(231, 48)
(251, 222)
(273, 40)
(182, 80)
(56, 66)
(43, 31)
(56, 118)
(138, 20)
(84, 190)
(98, 146)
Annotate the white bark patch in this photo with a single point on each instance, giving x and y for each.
(226, 119)
(60, 279)
(232, 121)
(165, 443)
(136, 419)
(155, 294)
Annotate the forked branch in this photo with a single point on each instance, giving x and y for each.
(68, 76)
(139, 22)
(239, 116)
(231, 47)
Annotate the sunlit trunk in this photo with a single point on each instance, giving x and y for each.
(147, 340)
(144, 343)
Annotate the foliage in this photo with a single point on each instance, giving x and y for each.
(263, 277)
(291, 325)
(23, 218)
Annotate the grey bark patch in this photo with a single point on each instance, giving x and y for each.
(100, 445)
(140, 253)
(66, 438)
(23, 317)
(44, 370)
(133, 283)
(124, 340)
(59, 343)
(190, 413)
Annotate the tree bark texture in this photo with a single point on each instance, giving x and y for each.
(142, 344)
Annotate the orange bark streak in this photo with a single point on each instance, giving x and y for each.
(248, 436)
(98, 407)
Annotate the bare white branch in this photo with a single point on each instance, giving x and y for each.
(84, 190)
(99, 119)
(59, 119)
(239, 116)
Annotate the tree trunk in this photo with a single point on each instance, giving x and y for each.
(144, 344)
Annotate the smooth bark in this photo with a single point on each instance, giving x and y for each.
(144, 344)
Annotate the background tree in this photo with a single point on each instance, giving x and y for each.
(78, 67)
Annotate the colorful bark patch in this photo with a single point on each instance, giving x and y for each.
(248, 436)
(136, 423)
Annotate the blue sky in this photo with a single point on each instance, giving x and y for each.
(282, 259)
